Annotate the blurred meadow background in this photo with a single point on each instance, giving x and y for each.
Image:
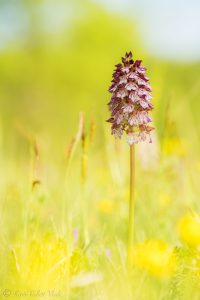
(63, 177)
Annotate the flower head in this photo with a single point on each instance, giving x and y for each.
(156, 257)
(189, 229)
(130, 102)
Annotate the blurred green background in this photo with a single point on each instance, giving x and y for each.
(57, 58)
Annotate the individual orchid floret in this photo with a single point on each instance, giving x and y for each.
(130, 103)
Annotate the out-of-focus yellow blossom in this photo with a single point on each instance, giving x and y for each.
(47, 262)
(156, 257)
(189, 229)
(174, 146)
(106, 206)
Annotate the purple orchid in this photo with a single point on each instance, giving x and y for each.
(130, 102)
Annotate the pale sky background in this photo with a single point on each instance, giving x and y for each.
(169, 28)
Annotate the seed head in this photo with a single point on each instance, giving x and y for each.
(130, 103)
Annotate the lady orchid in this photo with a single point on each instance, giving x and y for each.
(130, 103)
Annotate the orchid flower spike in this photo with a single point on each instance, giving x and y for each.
(130, 103)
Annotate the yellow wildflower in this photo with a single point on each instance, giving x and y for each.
(156, 257)
(106, 206)
(189, 229)
(47, 262)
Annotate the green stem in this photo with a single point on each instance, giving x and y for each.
(131, 205)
